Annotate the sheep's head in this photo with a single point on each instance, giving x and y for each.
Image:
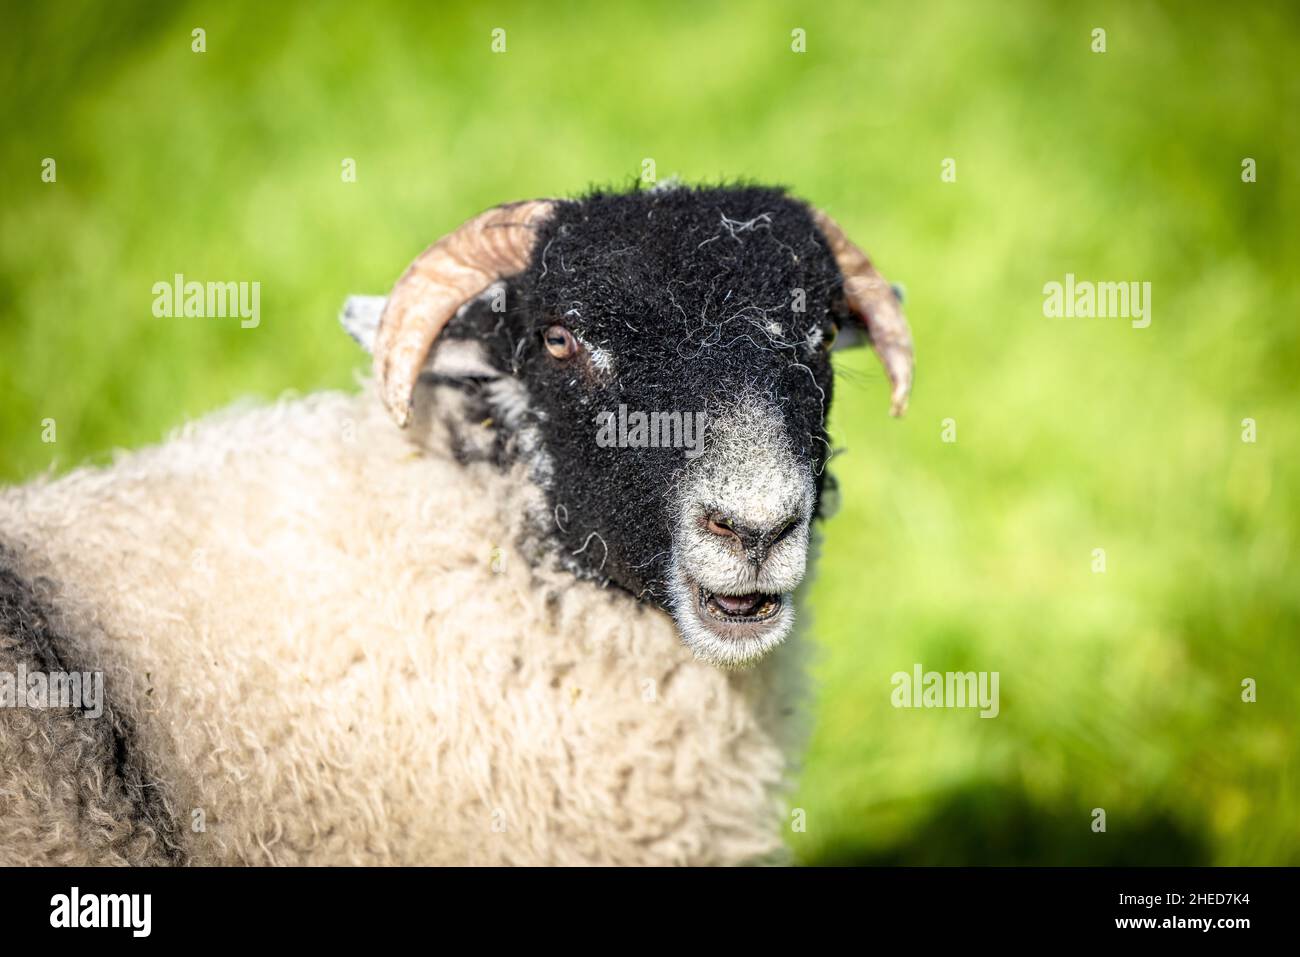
(662, 361)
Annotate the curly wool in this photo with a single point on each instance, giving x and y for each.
(321, 646)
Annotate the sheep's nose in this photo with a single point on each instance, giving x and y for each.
(755, 539)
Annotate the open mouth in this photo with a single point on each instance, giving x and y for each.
(740, 609)
(732, 630)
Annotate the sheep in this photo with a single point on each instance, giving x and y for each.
(435, 621)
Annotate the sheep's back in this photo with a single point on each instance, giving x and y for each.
(326, 648)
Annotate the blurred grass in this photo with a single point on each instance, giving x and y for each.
(1119, 690)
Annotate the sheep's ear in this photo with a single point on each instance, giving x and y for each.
(360, 317)
(849, 336)
(877, 304)
(451, 358)
(852, 336)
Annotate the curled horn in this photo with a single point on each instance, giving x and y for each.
(875, 302)
(455, 269)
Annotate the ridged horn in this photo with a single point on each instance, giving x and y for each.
(494, 244)
(874, 301)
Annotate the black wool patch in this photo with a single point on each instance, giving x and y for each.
(115, 779)
(684, 300)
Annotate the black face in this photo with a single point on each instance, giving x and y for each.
(669, 301)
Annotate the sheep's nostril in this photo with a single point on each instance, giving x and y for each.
(784, 530)
(755, 539)
(720, 525)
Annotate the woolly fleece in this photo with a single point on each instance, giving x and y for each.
(321, 646)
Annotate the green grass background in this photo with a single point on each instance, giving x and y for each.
(1119, 690)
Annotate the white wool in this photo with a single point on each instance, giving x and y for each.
(752, 475)
(332, 649)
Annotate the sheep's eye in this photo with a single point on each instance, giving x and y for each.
(828, 340)
(560, 342)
